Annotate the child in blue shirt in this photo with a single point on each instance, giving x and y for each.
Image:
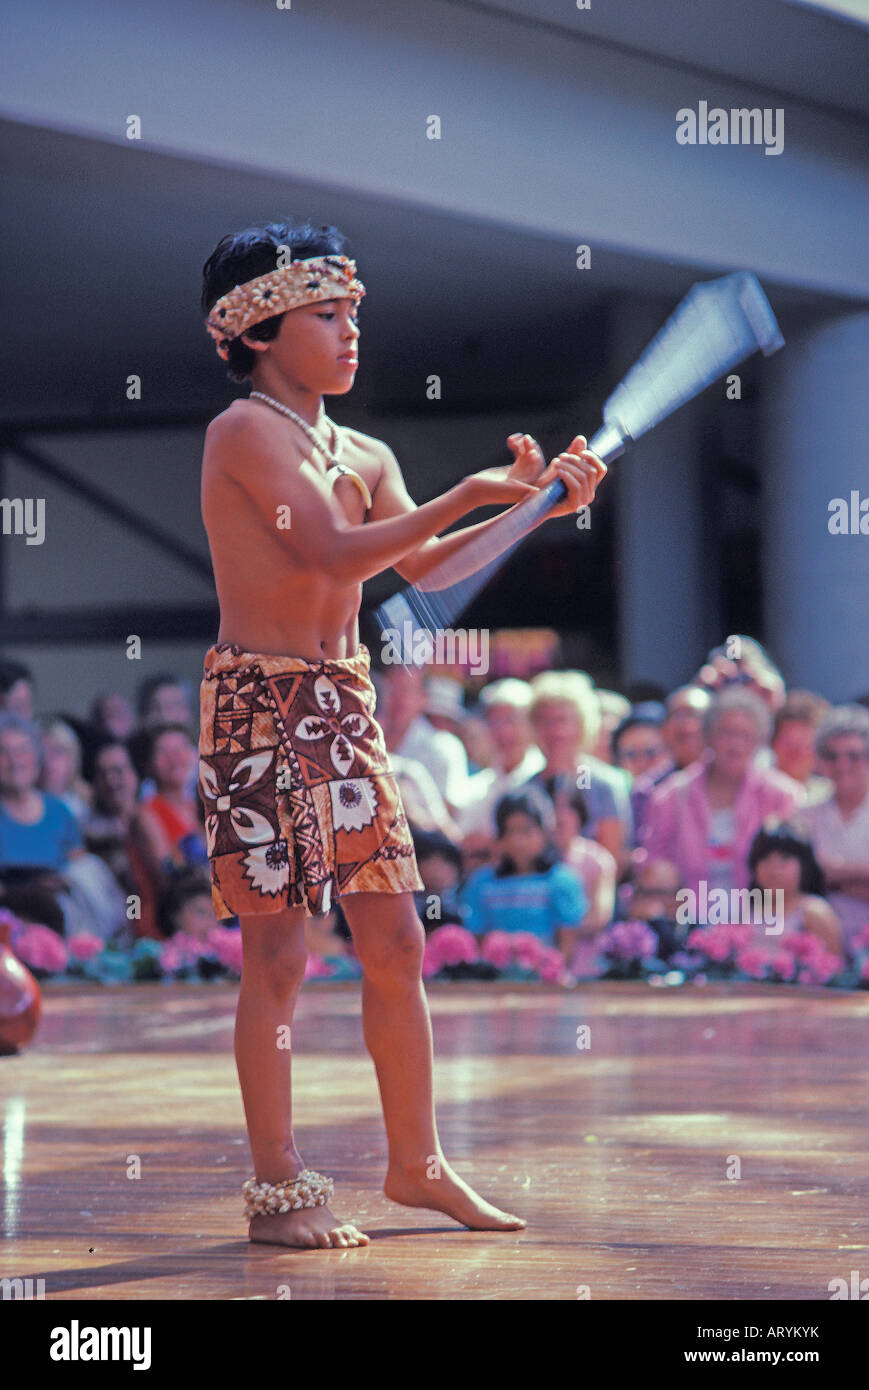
(528, 889)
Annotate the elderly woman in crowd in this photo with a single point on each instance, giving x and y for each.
(62, 767)
(794, 741)
(704, 818)
(565, 718)
(515, 757)
(839, 825)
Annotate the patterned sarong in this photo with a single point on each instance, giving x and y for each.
(301, 806)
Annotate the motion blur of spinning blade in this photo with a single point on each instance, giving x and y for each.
(715, 327)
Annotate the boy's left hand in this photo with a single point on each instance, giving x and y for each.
(528, 461)
(579, 468)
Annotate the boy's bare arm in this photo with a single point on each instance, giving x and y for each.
(391, 499)
(276, 475)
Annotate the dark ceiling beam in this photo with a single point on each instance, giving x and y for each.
(184, 623)
(119, 511)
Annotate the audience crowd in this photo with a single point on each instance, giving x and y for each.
(544, 807)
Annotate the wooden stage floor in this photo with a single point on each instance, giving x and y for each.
(616, 1154)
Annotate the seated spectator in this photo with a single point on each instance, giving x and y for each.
(654, 899)
(593, 864)
(682, 729)
(781, 859)
(528, 889)
(410, 734)
(423, 804)
(704, 819)
(36, 828)
(165, 819)
(440, 867)
(839, 826)
(743, 661)
(61, 767)
(112, 714)
(477, 739)
(614, 709)
(565, 717)
(16, 688)
(163, 699)
(682, 733)
(516, 758)
(445, 704)
(793, 742)
(638, 742)
(186, 904)
(41, 844)
(110, 831)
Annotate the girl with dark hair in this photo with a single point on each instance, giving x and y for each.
(782, 859)
(528, 888)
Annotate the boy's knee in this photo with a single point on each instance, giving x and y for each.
(395, 950)
(274, 951)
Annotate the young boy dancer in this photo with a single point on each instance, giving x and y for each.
(300, 804)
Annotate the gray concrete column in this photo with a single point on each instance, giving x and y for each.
(816, 435)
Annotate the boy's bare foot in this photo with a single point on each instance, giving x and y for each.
(450, 1194)
(309, 1227)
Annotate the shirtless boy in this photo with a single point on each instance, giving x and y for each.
(300, 804)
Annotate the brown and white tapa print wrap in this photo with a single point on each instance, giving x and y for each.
(301, 806)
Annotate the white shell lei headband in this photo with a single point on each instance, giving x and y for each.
(300, 282)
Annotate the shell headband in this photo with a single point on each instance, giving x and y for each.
(300, 282)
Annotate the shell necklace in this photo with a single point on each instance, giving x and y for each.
(332, 454)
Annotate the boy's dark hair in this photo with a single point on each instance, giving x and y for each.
(242, 256)
(535, 804)
(783, 837)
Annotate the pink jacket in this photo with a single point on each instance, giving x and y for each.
(677, 818)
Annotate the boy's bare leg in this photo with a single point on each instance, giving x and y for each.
(389, 940)
(274, 956)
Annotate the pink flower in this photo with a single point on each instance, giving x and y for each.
(528, 950)
(179, 951)
(316, 967)
(820, 968)
(85, 945)
(497, 949)
(754, 960)
(453, 945)
(783, 964)
(39, 946)
(551, 964)
(741, 934)
(226, 944)
(715, 942)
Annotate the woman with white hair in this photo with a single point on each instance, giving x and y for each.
(516, 758)
(704, 818)
(565, 717)
(839, 825)
(61, 767)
